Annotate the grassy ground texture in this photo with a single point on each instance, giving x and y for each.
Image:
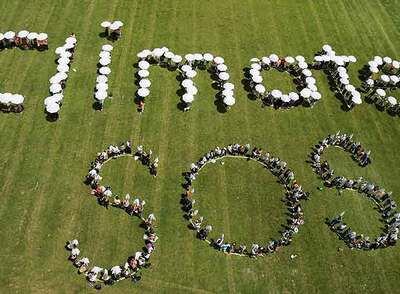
(42, 164)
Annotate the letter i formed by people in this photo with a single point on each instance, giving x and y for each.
(112, 32)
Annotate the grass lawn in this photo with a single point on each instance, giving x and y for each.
(42, 164)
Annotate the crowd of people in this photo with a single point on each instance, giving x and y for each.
(380, 75)
(187, 67)
(103, 71)
(112, 30)
(385, 204)
(293, 195)
(106, 197)
(336, 68)
(24, 40)
(297, 67)
(65, 56)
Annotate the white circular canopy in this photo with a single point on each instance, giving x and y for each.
(23, 34)
(385, 78)
(285, 98)
(186, 68)
(256, 66)
(218, 60)
(101, 95)
(392, 100)
(224, 76)
(316, 95)
(276, 93)
(191, 74)
(260, 89)
(144, 64)
(192, 90)
(144, 83)
(289, 59)
(229, 101)
(32, 36)
(381, 92)
(188, 98)
(63, 60)
(229, 86)
(105, 54)
(17, 99)
(274, 58)
(356, 99)
(52, 108)
(71, 40)
(294, 96)
(101, 79)
(105, 70)
(114, 26)
(187, 83)
(176, 58)
(257, 79)
(143, 73)
(222, 67)
(189, 57)
(107, 47)
(105, 61)
(55, 88)
(305, 93)
(63, 68)
(105, 24)
(144, 53)
(42, 37)
(9, 35)
(102, 86)
(143, 92)
(208, 57)
(306, 72)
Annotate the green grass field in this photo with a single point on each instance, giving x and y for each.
(42, 164)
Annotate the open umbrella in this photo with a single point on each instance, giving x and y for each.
(208, 57)
(102, 87)
(381, 92)
(101, 95)
(71, 40)
(32, 36)
(260, 89)
(105, 24)
(256, 66)
(101, 79)
(305, 93)
(385, 78)
(306, 72)
(257, 79)
(294, 96)
(227, 92)
(198, 57)
(303, 65)
(285, 98)
(114, 26)
(274, 58)
(144, 83)
(187, 83)
(191, 90)
(223, 76)
(144, 54)
(107, 47)
(105, 61)
(42, 37)
(191, 74)
(229, 100)
(188, 98)
(356, 98)
(276, 93)
(104, 54)
(143, 73)
(143, 92)
(143, 64)
(105, 70)
(55, 88)
(119, 23)
(55, 79)
(222, 67)
(169, 55)
(229, 86)
(289, 59)
(327, 48)
(23, 34)
(176, 58)
(310, 81)
(218, 60)
(63, 60)
(63, 68)
(392, 100)
(17, 99)
(9, 35)
(52, 108)
(65, 54)
(300, 59)
(265, 60)
(189, 57)
(315, 95)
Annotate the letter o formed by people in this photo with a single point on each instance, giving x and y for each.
(105, 197)
(293, 196)
(384, 203)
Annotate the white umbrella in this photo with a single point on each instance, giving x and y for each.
(23, 34)
(306, 72)
(285, 98)
(312, 87)
(17, 99)
(374, 69)
(327, 48)
(352, 59)
(158, 52)
(104, 54)
(32, 36)
(7, 97)
(294, 96)
(101, 79)
(105, 61)
(394, 79)
(256, 66)
(107, 47)
(101, 95)
(387, 59)
(229, 86)
(300, 59)
(344, 81)
(188, 98)
(289, 59)
(310, 81)
(255, 72)
(198, 57)
(186, 68)
(50, 100)
(381, 92)
(342, 69)
(218, 60)
(9, 35)
(119, 23)
(227, 92)
(356, 98)
(105, 24)
(229, 101)
(303, 65)
(189, 57)
(396, 64)
(169, 55)
(257, 79)
(102, 86)
(191, 74)
(305, 93)
(274, 57)
(222, 67)
(65, 54)
(63, 68)
(143, 73)
(385, 78)
(224, 76)
(276, 93)
(143, 64)
(143, 92)
(52, 108)
(59, 50)
(177, 58)
(114, 26)
(392, 100)
(55, 88)
(265, 60)
(42, 37)
(71, 40)
(378, 60)
(144, 54)
(144, 83)
(350, 88)
(192, 90)
(208, 57)
(69, 46)
(63, 60)
(343, 74)
(254, 60)
(260, 89)
(55, 79)
(105, 70)
(315, 95)
(62, 75)
(187, 83)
